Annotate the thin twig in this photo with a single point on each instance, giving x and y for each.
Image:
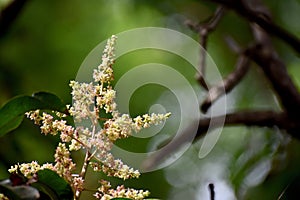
(283, 192)
(227, 84)
(203, 30)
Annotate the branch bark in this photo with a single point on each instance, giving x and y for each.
(240, 7)
(203, 31)
(275, 70)
(265, 56)
(249, 118)
(227, 84)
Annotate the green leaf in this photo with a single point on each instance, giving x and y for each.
(51, 101)
(12, 113)
(10, 125)
(54, 186)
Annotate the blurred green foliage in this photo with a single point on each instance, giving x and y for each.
(47, 43)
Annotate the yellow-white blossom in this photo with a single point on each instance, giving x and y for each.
(3, 197)
(89, 99)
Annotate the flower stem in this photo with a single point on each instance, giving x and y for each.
(83, 170)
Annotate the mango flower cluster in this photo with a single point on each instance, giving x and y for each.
(3, 197)
(90, 101)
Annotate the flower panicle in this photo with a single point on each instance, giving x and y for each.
(29, 169)
(104, 72)
(105, 192)
(89, 102)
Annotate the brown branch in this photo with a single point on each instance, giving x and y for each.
(263, 53)
(240, 7)
(203, 31)
(275, 70)
(246, 118)
(251, 118)
(227, 84)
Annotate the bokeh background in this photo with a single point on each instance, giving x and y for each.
(44, 47)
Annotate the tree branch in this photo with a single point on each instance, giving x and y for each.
(227, 84)
(263, 54)
(240, 7)
(246, 118)
(251, 118)
(203, 31)
(275, 70)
